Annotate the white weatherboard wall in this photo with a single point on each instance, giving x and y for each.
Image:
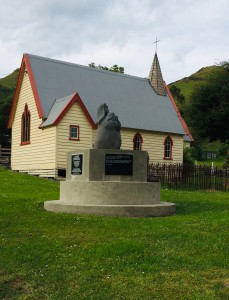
(40, 153)
(74, 116)
(153, 142)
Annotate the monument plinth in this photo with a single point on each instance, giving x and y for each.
(109, 182)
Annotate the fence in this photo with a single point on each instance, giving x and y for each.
(179, 176)
(5, 156)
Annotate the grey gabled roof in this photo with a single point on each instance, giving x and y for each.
(58, 106)
(131, 98)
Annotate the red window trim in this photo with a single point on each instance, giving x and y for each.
(25, 114)
(141, 140)
(74, 139)
(171, 150)
(24, 143)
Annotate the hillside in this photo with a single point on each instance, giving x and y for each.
(187, 84)
(10, 81)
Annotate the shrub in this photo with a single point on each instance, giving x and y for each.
(188, 156)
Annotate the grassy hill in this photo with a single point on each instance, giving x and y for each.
(10, 81)
(187, 84)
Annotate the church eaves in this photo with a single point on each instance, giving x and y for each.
(155, 77)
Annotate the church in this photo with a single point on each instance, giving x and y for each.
(55, 107)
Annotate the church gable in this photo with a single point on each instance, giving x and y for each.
(26, 151)
(25, 70)
(60, 108)
(74, 132)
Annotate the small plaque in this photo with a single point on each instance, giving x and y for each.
(77, 164)
(119, 164)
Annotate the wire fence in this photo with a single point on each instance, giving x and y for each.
(180, 176)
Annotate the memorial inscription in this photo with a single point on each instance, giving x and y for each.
(77, 164)
(119, 164)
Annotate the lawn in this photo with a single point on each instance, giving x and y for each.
(45, 255)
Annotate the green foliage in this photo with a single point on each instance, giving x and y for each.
(188, 156)
(176, 92)
(217, 146)
(114, 68)
(7, 89)
(201, 147)
(226, 161)
(48, 255)
(178, 97)
(6, 98)
(208, 109)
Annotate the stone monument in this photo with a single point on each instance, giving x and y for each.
(109, 181)
(108, 134)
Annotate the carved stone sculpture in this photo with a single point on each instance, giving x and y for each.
(108, 132)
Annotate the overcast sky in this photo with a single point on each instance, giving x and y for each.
(192, 33)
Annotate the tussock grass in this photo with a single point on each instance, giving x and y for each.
(48, 255)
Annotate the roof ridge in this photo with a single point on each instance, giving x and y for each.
(85, 67)
(64, 98)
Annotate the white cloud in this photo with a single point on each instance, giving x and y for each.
(192, 33)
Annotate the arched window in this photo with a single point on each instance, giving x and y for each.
(137, 142)
(168, 144)
(25, 126)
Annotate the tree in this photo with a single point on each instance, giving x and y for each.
(178, 97)
(176, 92)
(6, 98)
(7, 89)
(208, 110)
(114, 68)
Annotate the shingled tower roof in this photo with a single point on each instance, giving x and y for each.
(155, 77)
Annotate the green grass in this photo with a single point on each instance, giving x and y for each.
(45, 255)
(216, 163)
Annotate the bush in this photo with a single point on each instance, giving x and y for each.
(188, 156)
(226, 162)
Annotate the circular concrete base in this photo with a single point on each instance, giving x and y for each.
(154, 210)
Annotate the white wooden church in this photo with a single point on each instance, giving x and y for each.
(55, 106)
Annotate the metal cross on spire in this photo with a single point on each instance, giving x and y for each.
(157, 41)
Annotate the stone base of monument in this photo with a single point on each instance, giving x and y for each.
(109, 182)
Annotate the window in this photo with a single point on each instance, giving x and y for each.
(137, 142)
(25, 126)
(168, 143)
(74, 133)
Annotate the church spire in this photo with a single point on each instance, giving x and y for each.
(155, 76)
